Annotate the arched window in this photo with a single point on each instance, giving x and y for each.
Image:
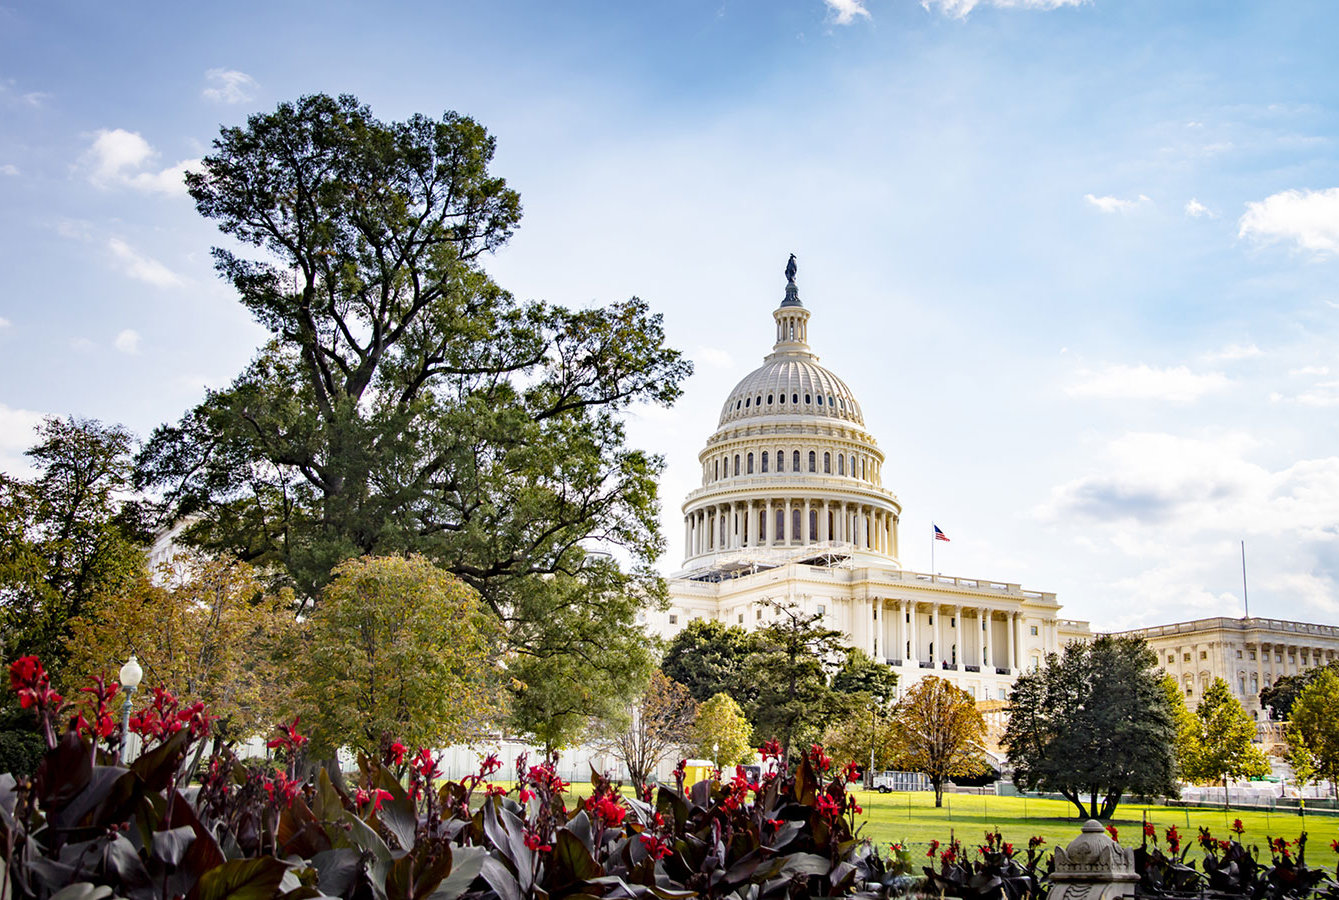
(853, 475)
(780, 524)
(792, 331)
(795, 533)
(862, 467)
(813, 461)
(827, 463)
(736, 463)
(738, 404)
(781, 460)
(795, 461)
(841, 464)
(718, 471)
(762, 524)
(765, 461)
(758, 402)
(813, 524)
(750, 464)
(748, 400)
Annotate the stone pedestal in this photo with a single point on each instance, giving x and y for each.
(1093, 867)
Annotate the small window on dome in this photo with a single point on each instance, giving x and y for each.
(781, 399)
(746, 401)
(830, 401)
(820, 399)
(813, 461)
(781, 460)
(827, 463)
(750, 465)
(766, 457)
(794, 398)
(758, 402)
(841, 464)
(795, 461)
(769, 399)
(808, 398)
(738, 404)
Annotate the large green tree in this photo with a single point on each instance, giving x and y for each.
(67, 536)
(789, 671)
(397, 648)
(1093, 724)
(1280, 696)
(404, 402)
(1312, 734)
(1223, 741)
(708, 657)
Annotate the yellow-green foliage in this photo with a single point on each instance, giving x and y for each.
(721, 724)
(209, 632)
(395, 648)
(1313, 730)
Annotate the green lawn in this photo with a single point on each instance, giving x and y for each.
(912, 817)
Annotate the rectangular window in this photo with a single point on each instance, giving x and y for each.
(1238, 654)
(1204, 654)
(1252, 654)
(1185, 657)
(1002, 695)
(1034, 630)
(952, 621)
(741, 618)
(822, 610)
(674, 620)
(908, 618)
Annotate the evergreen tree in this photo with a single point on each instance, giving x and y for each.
(707, 657)
(1094, 723)
(790, 668)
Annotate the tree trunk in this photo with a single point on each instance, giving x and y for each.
(1226, 804)
(939, 792)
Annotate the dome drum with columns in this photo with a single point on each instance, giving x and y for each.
(792, 511)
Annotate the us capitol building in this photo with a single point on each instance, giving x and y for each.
(793, 511)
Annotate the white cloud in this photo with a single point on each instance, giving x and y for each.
(229, 86)
(119, 158)
(81, 344)
(1115, 204)
(1191, 486)
(141, 267)
(1316, 591)
(844, 12)
(9, 169)
(1310, 370)
(127, 341)
(1196, 209)
(1233, 352)
(959, 9)
(715, 357)
(36, 99)
(17, 434)
(1308, 218)
(1143, 382)
(1322, 394)
(4, 323)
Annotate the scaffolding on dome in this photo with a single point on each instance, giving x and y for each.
(754, 560)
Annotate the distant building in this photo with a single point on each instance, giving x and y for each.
(793, 510)
(1250, 654)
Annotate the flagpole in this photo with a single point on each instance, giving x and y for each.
(932, 552)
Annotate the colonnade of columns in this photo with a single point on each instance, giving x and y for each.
(789, 522)
(903, 636)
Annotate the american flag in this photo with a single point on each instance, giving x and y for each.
(939, 535)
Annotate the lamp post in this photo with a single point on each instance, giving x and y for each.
(716, 756)
(131, 675)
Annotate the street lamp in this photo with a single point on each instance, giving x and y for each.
(131, 675)
(716, 755)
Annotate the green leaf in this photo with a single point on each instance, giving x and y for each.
(241, 879)
(364, 838)
(572, 862)
(466, 864)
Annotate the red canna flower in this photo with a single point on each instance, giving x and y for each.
(398, 751)
(525, 795)
(934, 848)
(770, 750)
(1115, 835)
(655, 847)
(489, 765)
(851, 773)
(425, 765)
(820, 760)
(287, 738)
(1150, 831)
(1237, 827)
(535, 842)
(827, 807)
(1173, 840)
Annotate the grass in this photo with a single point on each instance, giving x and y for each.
(912, 817)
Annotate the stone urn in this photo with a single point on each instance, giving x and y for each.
(1093, 867)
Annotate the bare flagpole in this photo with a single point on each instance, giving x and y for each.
(1244, 598)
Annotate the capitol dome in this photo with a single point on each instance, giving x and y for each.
(790, 471)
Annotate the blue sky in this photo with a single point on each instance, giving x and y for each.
(1077, 259)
